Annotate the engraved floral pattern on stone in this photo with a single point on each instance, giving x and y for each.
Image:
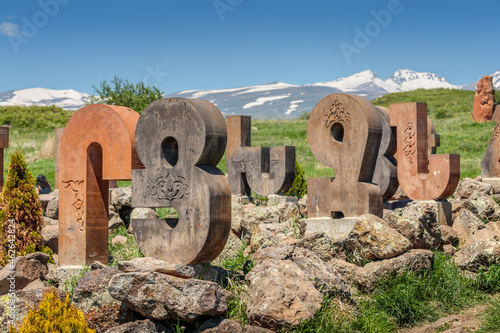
(409, 142)
(338, 114)
(76, 186)
(170, 187)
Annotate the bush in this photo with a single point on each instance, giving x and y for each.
(53, 315)
(20, 202)
(123, 93)
(299, 186)
(34, 118)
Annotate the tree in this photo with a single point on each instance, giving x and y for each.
(20, 208)
(123, 93)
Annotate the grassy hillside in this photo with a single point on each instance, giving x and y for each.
(450, 110)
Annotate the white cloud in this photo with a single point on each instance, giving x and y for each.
(9, 29)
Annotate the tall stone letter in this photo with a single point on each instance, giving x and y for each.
(266, 170)
(97, 145)
(421, 176)
(344, 133)
(180, 142)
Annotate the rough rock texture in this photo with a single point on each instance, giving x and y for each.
(448, 235)
(418, 223)
(481, 249)
(280, 295)
(142, 326)
(268, 234)
(487, 208)
(23, 300)
(484, 100)
(372, 238)
(302, 203)
(467, 186)
(236, 215)
(466, 224)
(121, 196)
(50, 236)
(119, 239)
(142, 213)
(92, 297)
(148, 264)
(115, 221)
(160, 296)
(323, 246)
(255, 215)
(27, 268)
(366, 277)
(231, 249)
(215, 325)
(400, 195)
(52, 210)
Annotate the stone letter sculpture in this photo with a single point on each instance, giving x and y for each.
(4, 143)
(266, 170)
(421, 176)
(97, 145)
(180, 142)
(490, 166)
(484, 100)
(344, 133)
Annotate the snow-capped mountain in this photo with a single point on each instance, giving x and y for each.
(67, 99)
(274, 100)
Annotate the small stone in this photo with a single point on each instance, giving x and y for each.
(52, 210)
(121, 196)
(119, 240)
(449, 250)
(97, 265)
(50, 236)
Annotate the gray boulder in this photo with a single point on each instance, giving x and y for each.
(24, 270)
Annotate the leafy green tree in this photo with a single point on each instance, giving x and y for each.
(299, 187)
(123, 93)
(20, 205)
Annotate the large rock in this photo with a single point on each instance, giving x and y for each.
(418, 222)
(280, 295)
(323, 246)
(142, 326)
(466, 224)
(160, 296)
(268, 234)
(22, 301)
(121, 196)
(215, 325)
(141, 213)
(372, 238)
(92, 297)
(467, 186)
(487, 209)
(484, 100)
(27, 269)
(148, 264)
(50, 236)
(52, 210)
(481, 249)
(448, 235)
(232, 248)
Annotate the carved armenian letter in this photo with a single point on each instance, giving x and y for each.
(97, 145)
(4, 143)
(490, 166)
(421, 176)
(265, 170)
(180, 142)
(344, 133)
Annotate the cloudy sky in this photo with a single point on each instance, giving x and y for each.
(213, 44)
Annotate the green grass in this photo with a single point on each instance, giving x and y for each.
(491, 317)
(120, 252)
(70, 284)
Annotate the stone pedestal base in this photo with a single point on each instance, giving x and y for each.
(443, 209)
(495, 182)
(333, 228)
(275, 199)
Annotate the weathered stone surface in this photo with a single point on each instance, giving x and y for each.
(465, 224)
(269, 234)
(50, 236)
(487, 208)
(27, 268)
(22, 302)
(386, 173)
(481, 249)
(59, 274)
(121, 196)
(418, 223)
(323, 246)
(115, 221)
(215, 325)
(183, 174)
(448, 235)
(302, 203)
(282, 251)
(344, 133)
(372, 238)
(92, 297)
(449, 250)
(484, 100)
(265, 170)
(49, 221)
(467, 186)
(399, 195)
(154, 265)
(233, 246)
(97, 146)
(280, 295)
(236, 215)
(119, 240)
(421, 176)
(52, 210)
(142, 326)
(433, 139)
(276, 199)
(4, 143)
(97, 265)
(347, 270)
(160, 296)
(141, 214)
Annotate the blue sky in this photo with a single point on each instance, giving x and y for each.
(206, 44)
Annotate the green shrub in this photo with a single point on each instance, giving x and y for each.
(20, 203)
(34, 118)
(53, 316)
(299, 186)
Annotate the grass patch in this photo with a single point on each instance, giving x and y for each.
(491, 317)
(69, 285)
(120, 252)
